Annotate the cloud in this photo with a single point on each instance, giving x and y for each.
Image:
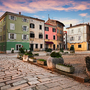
(32, 6)
(68, 21)
(83, 14)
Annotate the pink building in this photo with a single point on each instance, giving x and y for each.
(50, 36)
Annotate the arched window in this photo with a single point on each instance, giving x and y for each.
(32, 25)
(32, 35)
(40, 35)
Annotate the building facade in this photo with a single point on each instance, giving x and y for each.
(15, 31)
(59, 27)
(37, 34)
(65, 39)
(79, 36)
(50, 36)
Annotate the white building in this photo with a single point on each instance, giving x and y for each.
(78, 36)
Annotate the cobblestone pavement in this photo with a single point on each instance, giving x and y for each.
(18, 75)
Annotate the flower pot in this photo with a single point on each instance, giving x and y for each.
(25, 57)
(51, 62)
(65, 68)
(32, 60)
(41, 62)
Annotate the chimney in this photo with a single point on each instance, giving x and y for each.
(19, 13)
(70, 25)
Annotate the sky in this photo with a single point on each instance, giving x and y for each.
(66, 11)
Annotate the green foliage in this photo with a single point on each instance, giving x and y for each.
(30, 53)
(49, 50)
(62, 50)
(67, 65)
(42, 60)
(55, 54)
(12, 51)
(22, 50)
(36, 54)
(72, 48)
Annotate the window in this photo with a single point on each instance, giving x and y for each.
(79, 30)
(57, 31)
(36, 45)
(40, 35)
(72, 38)
(3, 37)
(32, 25)
(41, 45)
(24, 20)
(72, 31)
(60, 32)
(57, 46)
(53, 29)
(12, 17)
(59, 25)
(57, 37)
(79, 37)
(61, 38)
(79, 46)
(40, 27)
(11, 36)
(46, 36)
(46, 29)
(25, 28)
(12, 26)
(18, 46)
(53, 37)
(32, 35)
(25, 37)
(0, 38)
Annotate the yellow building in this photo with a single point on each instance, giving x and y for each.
(79, 37)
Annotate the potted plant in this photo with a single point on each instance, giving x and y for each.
(41, 61)
(72, 50)
(87, 60)
(48, 50)
(55, 58)
(32, 59)
(25, 57)
(21, 52)
(65, 67)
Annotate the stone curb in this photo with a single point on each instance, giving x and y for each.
(79, 79)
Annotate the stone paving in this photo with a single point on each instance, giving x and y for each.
(18, 75)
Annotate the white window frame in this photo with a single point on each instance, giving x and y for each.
(26, 28)
(15, 18)
(23, 37)
(14, 36)
(12, 26)
(24, 18)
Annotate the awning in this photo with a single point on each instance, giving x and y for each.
(47, 42)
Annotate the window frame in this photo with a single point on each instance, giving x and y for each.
(46, 28)
(46, 36)
(40, 27)
(32, 25)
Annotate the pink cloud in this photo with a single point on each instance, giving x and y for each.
(42, 5)
(83, 14)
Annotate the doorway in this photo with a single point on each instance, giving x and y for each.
(31, 47)
(53, 46)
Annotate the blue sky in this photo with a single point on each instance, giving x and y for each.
(65, 11)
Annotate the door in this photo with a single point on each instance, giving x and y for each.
(53, 46)
(31, 47)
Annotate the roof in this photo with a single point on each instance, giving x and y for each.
(76, 25)
(6, 13)
(49, 24)
(58, 22)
